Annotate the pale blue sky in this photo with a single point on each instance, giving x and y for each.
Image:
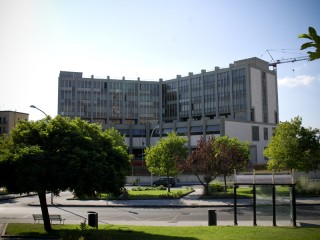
(152, 40)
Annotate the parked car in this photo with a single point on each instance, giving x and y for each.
(163, 181)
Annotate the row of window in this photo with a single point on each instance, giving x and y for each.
(255, 133)
(3, 120)
(3, 130)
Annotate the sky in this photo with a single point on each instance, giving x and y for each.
(151, 40)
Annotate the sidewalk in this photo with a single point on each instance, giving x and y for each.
(191, 200)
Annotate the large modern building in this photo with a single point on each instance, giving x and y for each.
(9, 120)
(240, 101)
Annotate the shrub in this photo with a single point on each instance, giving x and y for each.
(306, 186)
(161, 187)
(216, 188)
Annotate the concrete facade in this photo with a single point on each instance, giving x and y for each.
(9, 119)
(240, 101)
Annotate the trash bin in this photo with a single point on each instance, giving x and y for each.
(212, 217)
(93, 219)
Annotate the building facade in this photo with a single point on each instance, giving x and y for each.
(239, 101)
(9, 119)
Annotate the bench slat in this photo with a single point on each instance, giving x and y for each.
(54, 217)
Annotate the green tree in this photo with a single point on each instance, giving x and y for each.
(231, 154)
(294, 147)
(203, 162)
(314, 44)
(59, 154)
(163, 158)
(117, 138)
(216, 156)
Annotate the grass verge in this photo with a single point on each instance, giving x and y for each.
(121, 232)
(141, 193)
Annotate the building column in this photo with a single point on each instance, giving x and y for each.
(190, 95)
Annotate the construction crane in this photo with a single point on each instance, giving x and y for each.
(274, 63)
(287, 60)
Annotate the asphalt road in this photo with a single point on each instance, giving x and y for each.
(17, 210)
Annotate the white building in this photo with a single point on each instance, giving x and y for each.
(240, 101)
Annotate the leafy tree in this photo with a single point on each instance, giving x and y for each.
(315, 43)
(59, 154)
(203, 161)
(231, 154)
(117, 138)
(162, 159)
(216, 156)
(294, 147)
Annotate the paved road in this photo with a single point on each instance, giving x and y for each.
(18, 210)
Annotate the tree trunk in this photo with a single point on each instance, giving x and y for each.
(44, 210)
(168, 183)
(205, 186)
(225, 182)
(206, 189)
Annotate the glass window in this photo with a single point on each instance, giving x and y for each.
(213, 128)
(197, 129)
(138, 132)
(255, 133)
(182, 130)
(265, 133)
(166, 130)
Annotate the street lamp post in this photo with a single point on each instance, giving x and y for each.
(33, 106)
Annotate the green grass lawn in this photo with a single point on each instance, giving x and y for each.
(152, 193)
(122, 232)
(243, 192)
(247, 192)
(158, 194)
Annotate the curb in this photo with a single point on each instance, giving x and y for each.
(166, 206)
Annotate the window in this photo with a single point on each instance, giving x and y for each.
(166, 131)
(182, 130)
(255, 133)
(196, 130)
(265, 133)
(252, 114)
(275, 117)
(264, 98)
(215, 129)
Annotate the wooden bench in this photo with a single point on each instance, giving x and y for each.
(38, 217)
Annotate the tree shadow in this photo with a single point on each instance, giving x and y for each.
(7, 200)
(122, 233)
(309, 225)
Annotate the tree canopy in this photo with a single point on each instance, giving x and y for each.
(162, 159)
(58, 154)
(216, 156)
(314, 44)
(294, 147)
(231, 154)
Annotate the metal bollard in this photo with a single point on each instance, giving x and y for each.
(212, 217)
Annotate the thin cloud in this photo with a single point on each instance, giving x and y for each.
(300, 80)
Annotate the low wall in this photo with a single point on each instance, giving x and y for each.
(192, 179)
(183, 179)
